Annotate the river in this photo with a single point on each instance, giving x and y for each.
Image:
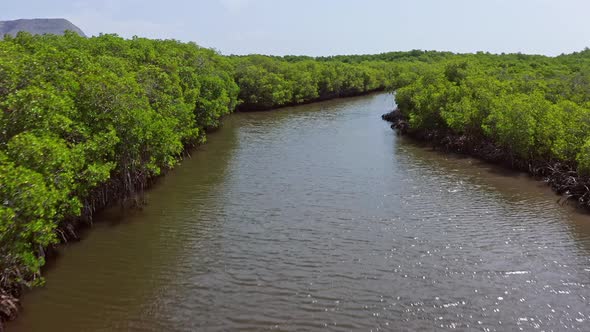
(320, 217)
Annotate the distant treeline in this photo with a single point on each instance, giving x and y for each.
(267, 82)
(414, 55)
(85, 122)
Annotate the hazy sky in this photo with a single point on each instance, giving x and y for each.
(324, 27)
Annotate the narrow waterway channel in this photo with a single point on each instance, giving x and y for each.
(319, 216)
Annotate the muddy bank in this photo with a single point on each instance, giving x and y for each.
(562, 177)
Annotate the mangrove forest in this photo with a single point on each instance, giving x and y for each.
(86, 123)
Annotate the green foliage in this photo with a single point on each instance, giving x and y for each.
(267, 82)
(28, 208)
(85, 120)
(534, 107)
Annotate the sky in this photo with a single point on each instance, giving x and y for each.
(328, 27)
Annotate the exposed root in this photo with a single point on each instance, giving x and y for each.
(399, 122)
(9, 306)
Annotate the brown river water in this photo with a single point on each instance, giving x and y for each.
(319, 217)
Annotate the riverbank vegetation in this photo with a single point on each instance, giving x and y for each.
(530, 112)
(86, 122)
(268, 82)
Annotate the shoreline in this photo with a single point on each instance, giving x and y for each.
(247, 109)
(69, 230)
(561, 176)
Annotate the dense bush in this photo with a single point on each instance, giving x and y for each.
(267, 82)
(88, 121)
(535, 108)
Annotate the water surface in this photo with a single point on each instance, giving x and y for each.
(320, 217)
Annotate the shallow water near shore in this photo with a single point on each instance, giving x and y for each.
(320, 217)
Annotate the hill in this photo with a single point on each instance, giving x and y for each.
(56, 26)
